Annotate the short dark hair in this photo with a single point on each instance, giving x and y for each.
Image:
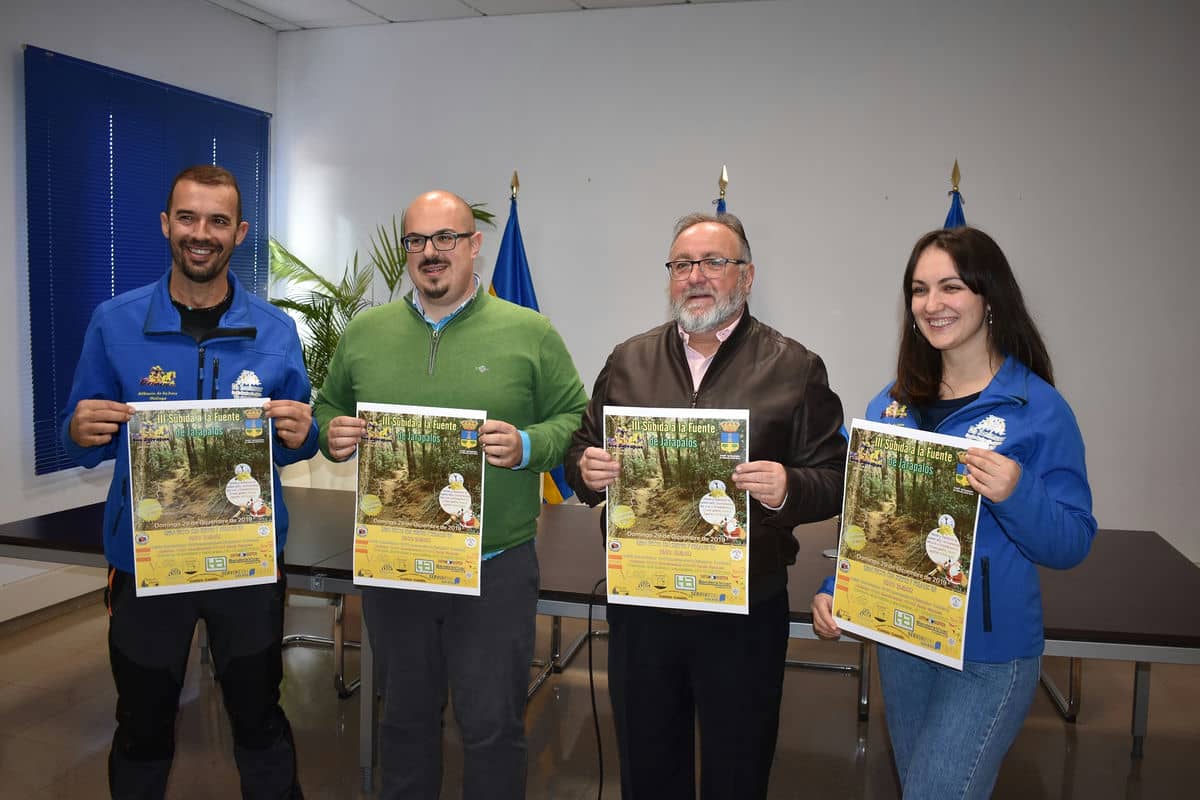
(1011, 331)
(727, 220)
(209, 175)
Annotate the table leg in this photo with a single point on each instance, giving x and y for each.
(339, 644)
(559, 658)
(343, 687)
(863, 670)
(864, 681)
(366, 712)
(550, 664)
(1141, 706)
(555, 642)
(573, 648)
(1068, 706)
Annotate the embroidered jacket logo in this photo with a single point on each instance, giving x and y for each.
(159, 377)
(991, 429)
(247, 385)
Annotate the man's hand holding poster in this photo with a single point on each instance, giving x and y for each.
(201, 484)
(419, 517)
(678, 532)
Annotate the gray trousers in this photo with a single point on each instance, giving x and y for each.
(476, 648)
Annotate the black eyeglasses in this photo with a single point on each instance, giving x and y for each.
(681, 269)
(442, 240)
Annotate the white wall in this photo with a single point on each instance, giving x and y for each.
(1075, 127)
(184, 42)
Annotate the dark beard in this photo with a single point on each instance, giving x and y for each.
(201, 274)
(436, 292)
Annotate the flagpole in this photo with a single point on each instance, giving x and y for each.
(515, 185)
(955, 217)
(722, 182)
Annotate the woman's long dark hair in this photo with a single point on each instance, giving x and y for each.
(1011, 331)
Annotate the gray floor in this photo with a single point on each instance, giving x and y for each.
(56, 706)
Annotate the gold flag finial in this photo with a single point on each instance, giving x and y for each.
(515, 185)
(955, 176)
(723, 181)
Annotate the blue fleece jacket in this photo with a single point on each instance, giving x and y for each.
(1046, 521)
(135, 350)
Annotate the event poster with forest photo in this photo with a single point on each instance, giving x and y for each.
(200, 480)
(907, 545)
(678, 531)
(419, 517)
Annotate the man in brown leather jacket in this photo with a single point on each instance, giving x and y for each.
(669, 668)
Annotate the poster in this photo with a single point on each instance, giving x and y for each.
(201, 484)
(419, 513)
(678, 531)
(907, 544)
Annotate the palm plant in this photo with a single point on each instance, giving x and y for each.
(325, 306)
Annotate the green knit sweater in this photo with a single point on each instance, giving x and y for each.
(495, 356)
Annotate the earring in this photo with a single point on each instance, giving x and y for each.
(989, 316)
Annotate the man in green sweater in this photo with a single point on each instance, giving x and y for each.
(449, 343)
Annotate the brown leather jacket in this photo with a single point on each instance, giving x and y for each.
(795, 419)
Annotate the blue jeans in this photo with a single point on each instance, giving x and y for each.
(950, 730)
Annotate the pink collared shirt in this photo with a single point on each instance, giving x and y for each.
(698, 363)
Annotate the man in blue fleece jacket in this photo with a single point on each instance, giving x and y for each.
(145, 345)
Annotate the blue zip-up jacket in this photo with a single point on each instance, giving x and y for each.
(135, 349)
(1046, 521)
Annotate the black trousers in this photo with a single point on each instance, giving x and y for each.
(149, 639)
(669, 671)
(430, 646)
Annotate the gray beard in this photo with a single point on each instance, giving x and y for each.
(721, 312)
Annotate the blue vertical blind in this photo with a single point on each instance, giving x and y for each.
(101, 149)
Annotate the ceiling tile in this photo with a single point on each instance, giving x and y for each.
(318, 13)
(283, 15)
(418, 10)
(256, 14)
(630, 3)
(495, 8)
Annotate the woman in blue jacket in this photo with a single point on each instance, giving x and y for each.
(973, 364)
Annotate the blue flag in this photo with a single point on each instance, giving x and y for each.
(721, 205)
(954, 217)
(512, 281)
